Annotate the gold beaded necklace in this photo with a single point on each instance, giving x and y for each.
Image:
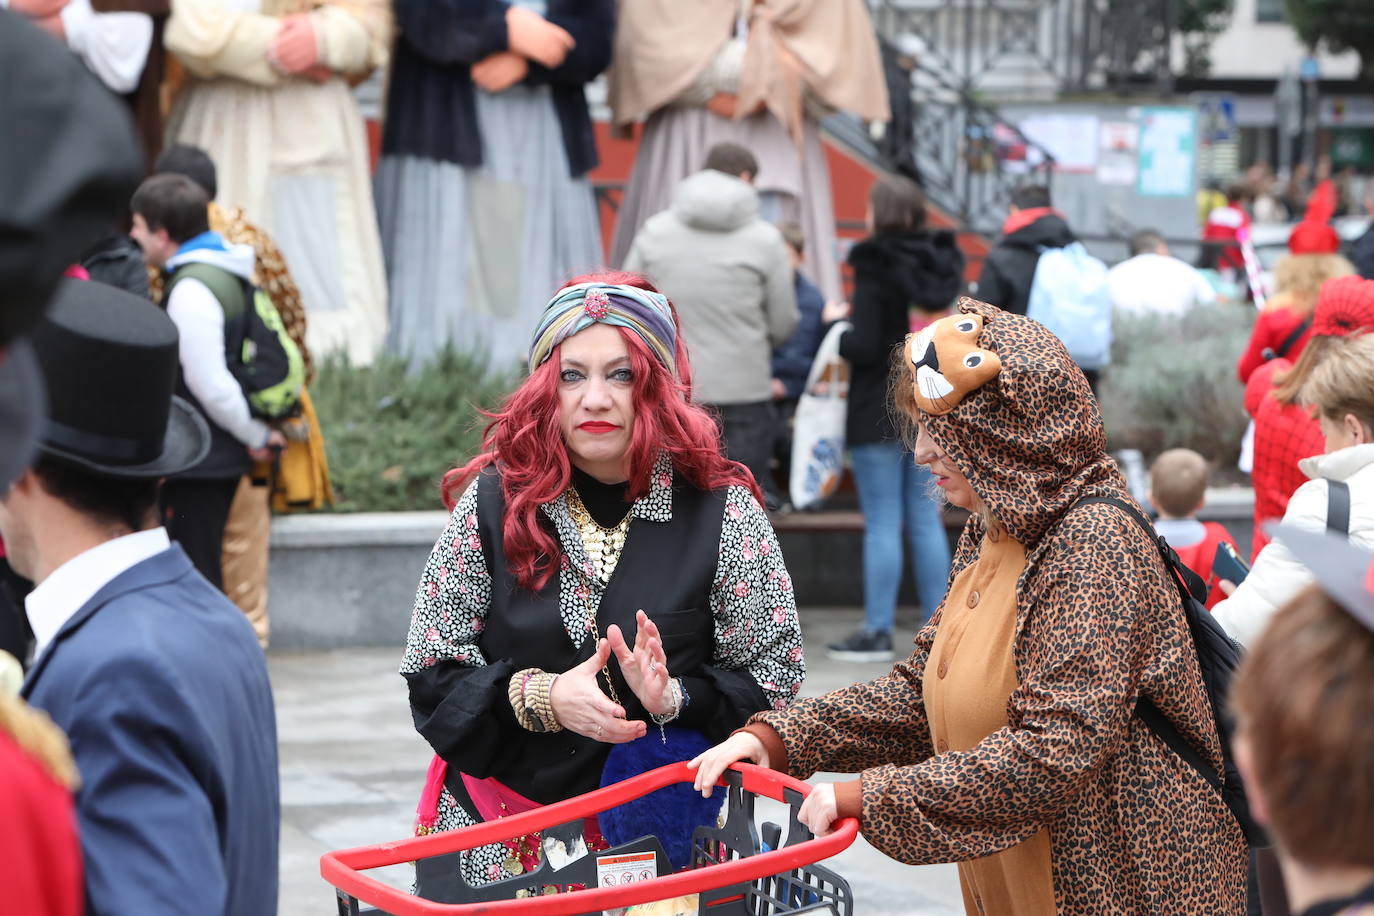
(603, 547)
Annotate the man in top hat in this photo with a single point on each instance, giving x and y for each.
(156, 678)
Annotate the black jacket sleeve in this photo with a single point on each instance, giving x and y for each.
(1363, 255)
(866, 344)
(452, 31)
(721, 701)
(458, 697)
(464, 713)
(592, 26)
(993, 288)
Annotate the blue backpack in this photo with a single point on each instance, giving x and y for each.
(1069, 296)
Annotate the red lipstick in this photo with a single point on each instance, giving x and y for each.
(598, 426)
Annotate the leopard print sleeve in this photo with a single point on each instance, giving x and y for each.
(1079, 658)
(866, 725)
(874, 724)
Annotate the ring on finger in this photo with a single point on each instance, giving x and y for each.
(653, 667)
(599, 730)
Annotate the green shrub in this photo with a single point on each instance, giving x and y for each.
(392, 434)
(1172, 383)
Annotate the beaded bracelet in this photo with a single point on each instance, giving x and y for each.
(538, 704)
(529, 698)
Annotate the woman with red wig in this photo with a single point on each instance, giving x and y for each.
(604, 572)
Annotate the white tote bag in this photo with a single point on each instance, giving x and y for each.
(818, 434)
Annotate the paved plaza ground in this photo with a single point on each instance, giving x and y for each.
(352, 764)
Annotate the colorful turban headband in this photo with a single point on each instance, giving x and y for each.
(575, 308)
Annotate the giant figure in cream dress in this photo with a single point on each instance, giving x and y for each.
(267, 95)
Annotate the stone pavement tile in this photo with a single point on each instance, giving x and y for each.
(352, 765)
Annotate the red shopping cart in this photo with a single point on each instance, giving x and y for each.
(739, 868)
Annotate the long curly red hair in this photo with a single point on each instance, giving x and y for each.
(524, 441)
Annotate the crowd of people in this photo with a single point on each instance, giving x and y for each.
(609, 593)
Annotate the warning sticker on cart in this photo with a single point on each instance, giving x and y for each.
(627, 868)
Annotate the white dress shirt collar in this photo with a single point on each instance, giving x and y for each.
(53, 602)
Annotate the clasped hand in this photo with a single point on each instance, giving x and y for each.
(532, 36)
(296, 49)
(581, 706)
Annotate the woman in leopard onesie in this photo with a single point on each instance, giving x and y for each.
(1007, 741)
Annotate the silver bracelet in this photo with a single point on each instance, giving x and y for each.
(675, 688)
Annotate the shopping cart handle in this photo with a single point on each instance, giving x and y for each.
(341, 868)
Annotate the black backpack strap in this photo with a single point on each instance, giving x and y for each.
(1164, 730)
(1189, 584)
(1293, 337)
(1338, 507)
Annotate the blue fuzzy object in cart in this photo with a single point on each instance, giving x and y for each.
(671, 813)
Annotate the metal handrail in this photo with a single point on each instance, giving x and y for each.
(1071, 45)
(1079, 45)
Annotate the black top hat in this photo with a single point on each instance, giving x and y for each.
(110, 362)
(1345, 572)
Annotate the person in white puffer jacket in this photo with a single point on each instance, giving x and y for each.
(1341, 388)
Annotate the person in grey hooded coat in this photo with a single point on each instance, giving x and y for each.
(727, 271)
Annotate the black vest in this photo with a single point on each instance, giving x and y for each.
(667, 569)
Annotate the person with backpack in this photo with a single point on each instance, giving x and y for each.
(247, 531)
(1339, 495)
(208, 293)
(1025, 736)
(1032, 225)
(1040, 269)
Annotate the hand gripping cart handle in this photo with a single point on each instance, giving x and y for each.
(735, 871)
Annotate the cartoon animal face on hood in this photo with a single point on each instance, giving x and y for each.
(947, 363)
(1018, 417)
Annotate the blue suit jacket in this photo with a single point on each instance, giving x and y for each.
(160, 685)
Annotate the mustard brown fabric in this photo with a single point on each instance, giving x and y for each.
(971, 674)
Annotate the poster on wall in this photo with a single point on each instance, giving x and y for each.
(1168, 152)
(1070, 138)
(1116, 160)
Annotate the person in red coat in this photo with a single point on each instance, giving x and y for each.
(1224, 224)
(40, 857)
(1284, 431)
(1285, 325)
(1178, 488)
